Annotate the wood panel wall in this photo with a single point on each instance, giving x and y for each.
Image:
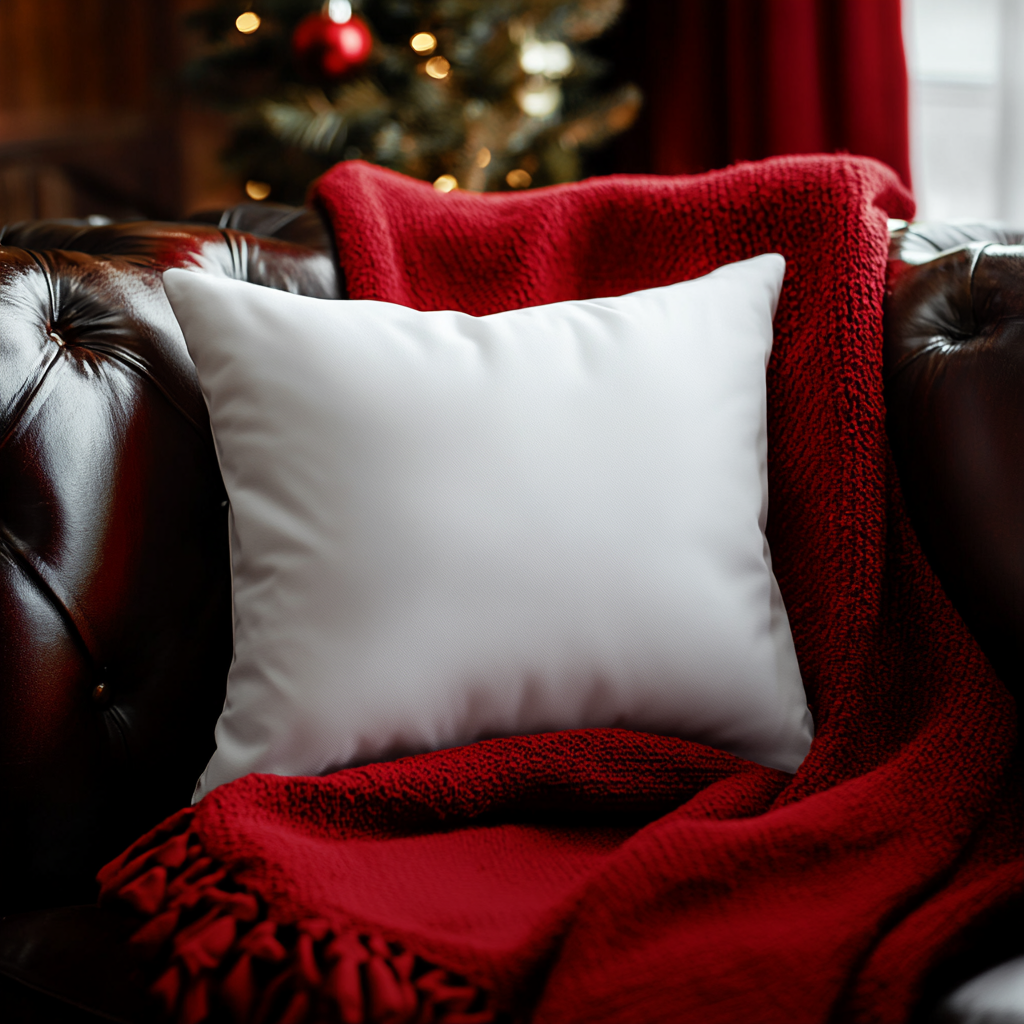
(89, 119)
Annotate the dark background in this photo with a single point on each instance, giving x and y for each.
(93, 118)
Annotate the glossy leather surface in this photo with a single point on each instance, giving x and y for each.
(230, 252)
(954, 377)
(71, 964)
(300, 226)
(115, 617)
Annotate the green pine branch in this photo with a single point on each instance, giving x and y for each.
(487, 117)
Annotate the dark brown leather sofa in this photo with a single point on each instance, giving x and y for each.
(115, 621)
(115, 618)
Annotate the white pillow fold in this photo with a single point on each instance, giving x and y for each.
(446, 527)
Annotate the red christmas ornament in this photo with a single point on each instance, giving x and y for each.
(324, 48)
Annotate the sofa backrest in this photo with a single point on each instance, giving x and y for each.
(115, 613)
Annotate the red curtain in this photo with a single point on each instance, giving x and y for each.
(729, 80)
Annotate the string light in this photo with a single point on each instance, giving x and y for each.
(539, 97)
(247, 22)
(553, 59)
(483, 156)
(519, 178)
(446, 183)
(438, 67)
(258, 190)
(339, 11)
(424, 42)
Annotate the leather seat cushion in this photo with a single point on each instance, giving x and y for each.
(71, 966)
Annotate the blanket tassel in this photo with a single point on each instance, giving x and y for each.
(225, 959)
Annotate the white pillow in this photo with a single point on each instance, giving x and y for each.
(445, 527)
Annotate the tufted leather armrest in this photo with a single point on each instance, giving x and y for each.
(115, 618)
(954, 379)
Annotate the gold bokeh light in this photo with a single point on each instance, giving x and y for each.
(438, 67)
(446, 183)
(424, 42)
(483, 156)
(519, 178)
(258, 190)
(247, 22)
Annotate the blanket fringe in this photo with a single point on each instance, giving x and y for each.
(227, 960)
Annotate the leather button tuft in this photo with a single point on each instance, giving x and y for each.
(55, 337)
(99, 691)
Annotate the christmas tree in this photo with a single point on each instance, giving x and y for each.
(474, 94)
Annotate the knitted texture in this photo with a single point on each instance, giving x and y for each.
(610, 876)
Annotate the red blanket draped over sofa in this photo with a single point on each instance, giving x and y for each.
(606, 875)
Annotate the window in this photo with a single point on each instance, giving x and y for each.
(966, 64)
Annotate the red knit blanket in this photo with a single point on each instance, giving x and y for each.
(609, 876)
